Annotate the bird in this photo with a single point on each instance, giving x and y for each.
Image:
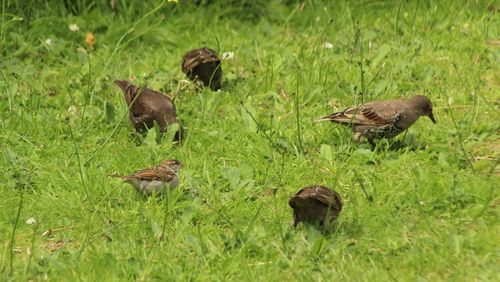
(203, 65)
(153, 180)
(383, 119)
(147, 106)
(315, 204)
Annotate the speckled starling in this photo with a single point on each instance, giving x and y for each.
(383, 119)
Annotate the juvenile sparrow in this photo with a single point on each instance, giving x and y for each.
(383, 119)
(203, 65)
(315, 204)
(153, 180)
(148, 106)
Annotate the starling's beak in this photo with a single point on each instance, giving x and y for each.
(431, 116)
(122, 84)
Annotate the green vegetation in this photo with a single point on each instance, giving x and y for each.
(422, 207)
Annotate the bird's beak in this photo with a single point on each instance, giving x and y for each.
(122, 84)
(431, 116)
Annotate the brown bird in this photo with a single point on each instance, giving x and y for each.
(383, 119)
(203, 65)
(149, 106)
(153, 180)
(315, 204)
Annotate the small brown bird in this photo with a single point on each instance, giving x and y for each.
(153, 180)
(315, 204)
(383, 119)
(203, 65)
(149, 106)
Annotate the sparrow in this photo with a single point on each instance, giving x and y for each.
(153, 180)
(315, 204)
(203, 65)
(147, 107)
(383, 119)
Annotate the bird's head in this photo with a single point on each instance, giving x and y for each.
(173, 164)
(123, 84)
(423, 106)
(129, 90)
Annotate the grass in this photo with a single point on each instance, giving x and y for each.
(427, 211)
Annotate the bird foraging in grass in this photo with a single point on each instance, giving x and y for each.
(315, 204)
(203, 65)
(383, 119)
(147, 106)
(155, 179)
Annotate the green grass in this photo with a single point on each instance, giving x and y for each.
(425, 212)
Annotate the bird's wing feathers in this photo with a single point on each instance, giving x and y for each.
(201, 56)
(155, 173)
(365, 115)
(316, 193)
(326, 197)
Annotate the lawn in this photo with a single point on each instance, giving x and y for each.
(422, 207)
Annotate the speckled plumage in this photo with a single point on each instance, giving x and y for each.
(153, 180)
(315, 204)
(203, 65)
(383, 119)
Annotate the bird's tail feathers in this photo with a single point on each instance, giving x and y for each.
(335, 117)
(119, 176)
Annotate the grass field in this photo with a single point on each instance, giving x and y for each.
(423, 207)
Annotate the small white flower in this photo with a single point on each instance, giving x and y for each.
(31, 221)
(327, 45)
(227, 55)
(74, 27)
(422, 203)
(48, 41)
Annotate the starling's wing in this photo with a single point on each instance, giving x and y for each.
(371, 114)
(151, 92)
(199, 56)
(327, 197)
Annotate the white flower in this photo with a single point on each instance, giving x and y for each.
(227, 55)
(31, 221)
(327, 45)
(74, 27)
(48, 41)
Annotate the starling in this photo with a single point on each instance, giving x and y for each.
(152, 180)
(203, 65)
(315, 204)
(383, 119)
(149, 106)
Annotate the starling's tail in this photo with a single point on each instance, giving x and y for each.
(336, 117)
